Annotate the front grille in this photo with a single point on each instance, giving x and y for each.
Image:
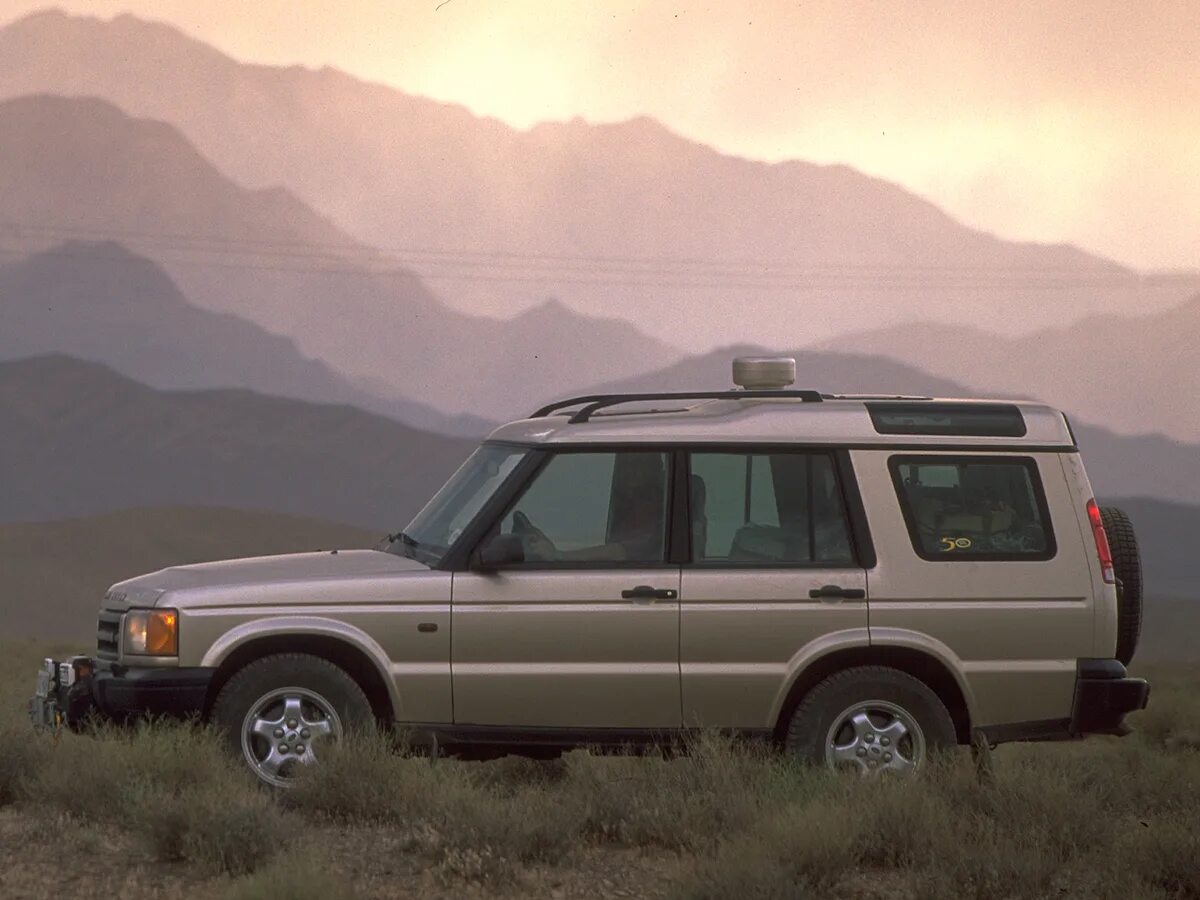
(107, 633)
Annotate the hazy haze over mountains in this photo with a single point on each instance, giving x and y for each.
(202, 222)
(786, 252)
(1118, 465)
(84, 165)
(1130, 373)
(100, 302)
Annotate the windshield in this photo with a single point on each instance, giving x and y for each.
(438, 525)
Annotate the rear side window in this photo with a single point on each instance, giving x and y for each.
(973, 507)
(781, 508)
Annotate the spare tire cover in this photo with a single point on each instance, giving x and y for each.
(1127, 565)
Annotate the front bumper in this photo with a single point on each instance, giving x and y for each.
(67, 693)
(1104, 695)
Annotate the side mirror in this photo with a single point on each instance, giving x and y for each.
(502, 550)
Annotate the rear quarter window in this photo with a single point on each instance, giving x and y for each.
(974, 508)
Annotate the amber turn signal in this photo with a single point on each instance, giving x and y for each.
(152, 632)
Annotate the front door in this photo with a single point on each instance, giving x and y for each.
(584, 634)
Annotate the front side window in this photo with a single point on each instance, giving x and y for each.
(594, 508)
(768, 508)
(974, 508)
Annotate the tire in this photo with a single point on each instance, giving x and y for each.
(276, 712)
(1127, 566)
(822, 730)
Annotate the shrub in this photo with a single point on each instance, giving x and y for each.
(226, 828)
(19, 758)
(295, 875)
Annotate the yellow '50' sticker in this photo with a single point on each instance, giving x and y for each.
(950, 543)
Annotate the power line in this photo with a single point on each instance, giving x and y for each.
(219, 252)
(341, 251)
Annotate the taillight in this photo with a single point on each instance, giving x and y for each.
(1102, 548)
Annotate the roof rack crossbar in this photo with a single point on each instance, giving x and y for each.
(593, 402)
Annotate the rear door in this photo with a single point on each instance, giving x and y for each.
(773, 582)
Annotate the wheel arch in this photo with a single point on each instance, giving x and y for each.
(364, 663)
(923, 665)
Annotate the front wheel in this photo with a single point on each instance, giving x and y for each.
(278, 712)
(870, 720)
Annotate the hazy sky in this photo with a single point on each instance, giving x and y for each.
(1075, 121)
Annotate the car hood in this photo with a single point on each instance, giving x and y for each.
(366, 574)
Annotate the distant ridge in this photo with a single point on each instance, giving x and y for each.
(1131, 373)
(572, 199)
(82, 167)
(78, 439)
(100, 302)
(1119, 465)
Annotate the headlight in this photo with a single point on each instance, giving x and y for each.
(152, 632)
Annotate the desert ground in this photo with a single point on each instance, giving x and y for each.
(160, 810)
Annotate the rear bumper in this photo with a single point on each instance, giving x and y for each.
(122, 693)
(1104, 695)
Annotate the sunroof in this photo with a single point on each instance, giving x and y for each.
(961, 419)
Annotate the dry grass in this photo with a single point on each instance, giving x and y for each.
(1102, 818)
(291, 876)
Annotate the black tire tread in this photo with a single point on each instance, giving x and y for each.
(1127, 565)
(940, 736)
(225, 710)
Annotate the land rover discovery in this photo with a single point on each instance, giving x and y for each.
(865, 580)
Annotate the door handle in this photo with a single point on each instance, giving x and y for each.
(646, 592)
(836, 592)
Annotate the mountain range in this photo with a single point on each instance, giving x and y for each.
(624, 219)
(330, 330)
(85, 166)
(77, 439)
(98, 301)
(1133, 373)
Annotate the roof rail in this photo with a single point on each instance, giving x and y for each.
(594, 402)
(877, 397)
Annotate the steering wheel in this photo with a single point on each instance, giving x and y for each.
(537, 545)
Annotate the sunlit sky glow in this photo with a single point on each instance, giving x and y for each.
(1057, 121)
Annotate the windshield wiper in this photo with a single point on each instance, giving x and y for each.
(400, 536)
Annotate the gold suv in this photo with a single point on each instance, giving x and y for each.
(864, 580)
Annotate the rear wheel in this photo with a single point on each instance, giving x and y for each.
(278, 712)
(870, 720)
(1127, 566)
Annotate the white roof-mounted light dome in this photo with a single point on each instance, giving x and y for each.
(764, 373)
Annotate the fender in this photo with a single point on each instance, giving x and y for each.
(271, 626)
(833, 642)
(916, 640)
